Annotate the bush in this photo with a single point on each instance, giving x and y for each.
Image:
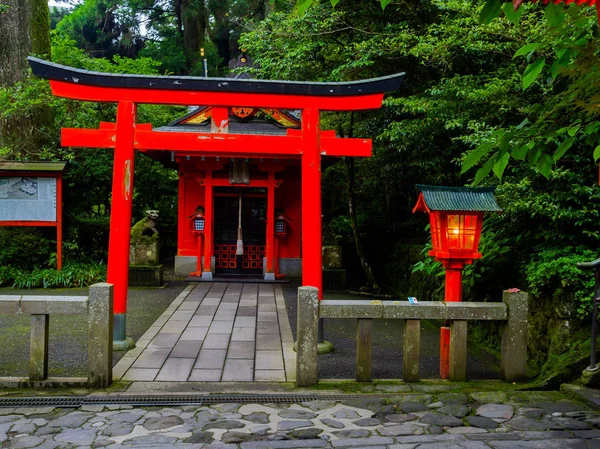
(25, 248)
(71, 276)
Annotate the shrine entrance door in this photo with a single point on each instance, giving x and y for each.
(254, 230)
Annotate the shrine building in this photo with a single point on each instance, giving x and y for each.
(249, 163)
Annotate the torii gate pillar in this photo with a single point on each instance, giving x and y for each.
(120, 221)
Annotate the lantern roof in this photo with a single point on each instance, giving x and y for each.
(468, 199)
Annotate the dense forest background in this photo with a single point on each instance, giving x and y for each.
(492, 97)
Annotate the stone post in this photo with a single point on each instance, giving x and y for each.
(100, 340)
(458, 350)
(513, 355)
(412, 350)
(364, 349)
(307, 329)
(38, 348)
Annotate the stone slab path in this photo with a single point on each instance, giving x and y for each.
(487, 420)
(216, 332)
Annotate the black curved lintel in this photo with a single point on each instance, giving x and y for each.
(51, 71)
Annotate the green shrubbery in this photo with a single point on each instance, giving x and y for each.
(72, 275)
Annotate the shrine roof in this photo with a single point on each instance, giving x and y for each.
(52, 71)
(32, 166)
(469, 199)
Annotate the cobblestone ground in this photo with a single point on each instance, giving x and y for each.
(444, 421)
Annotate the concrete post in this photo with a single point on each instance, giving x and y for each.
(364, 349)
(38, 348)
(412, 350)
(513, 353)
(307, 329)
(458, 350)
(100, 339)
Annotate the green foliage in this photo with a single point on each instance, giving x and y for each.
(25, 248)
(552, 273)
(72, 275)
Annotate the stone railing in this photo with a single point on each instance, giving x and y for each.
(99, 309)
(512, 312)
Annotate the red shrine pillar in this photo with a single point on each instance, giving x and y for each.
(270, 241)
(208, 225)
(120, 220)
(312, 269)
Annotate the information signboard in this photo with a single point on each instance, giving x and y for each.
(27, 198)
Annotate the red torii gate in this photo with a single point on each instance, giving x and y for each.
(125, 136)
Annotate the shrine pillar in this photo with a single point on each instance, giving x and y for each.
(312, 269)
(120, 220)
(207, 274)
(270, 238)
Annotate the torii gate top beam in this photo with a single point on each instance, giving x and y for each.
(88, 85)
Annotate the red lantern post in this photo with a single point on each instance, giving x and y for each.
(198, 226)
(456, 218)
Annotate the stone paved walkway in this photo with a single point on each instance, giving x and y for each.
(487, 420)
(216, 332)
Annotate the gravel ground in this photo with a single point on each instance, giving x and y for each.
(388, 342)
(68, 334)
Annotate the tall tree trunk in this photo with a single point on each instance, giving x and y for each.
(220, 30)
(15, 41)
(194, 30)
(351, 178)
(24, 28)
(40, 28)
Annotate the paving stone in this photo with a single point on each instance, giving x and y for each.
(125, 417)
(306, 433)
(238, 437)
(195, 334)
(243, 334)
(332, 423)
(269, 360)
(238, 370)
(223, 424)
(435, 430)
(540, 444)
(72, 420)
(559, 406)
(162, 423)
(482, 422)
(186, 349)
(495, 411)
(230, 407)
(587, 433)
(437, 419)
(362, 442)
(456, 410)
(260, 430)
(293, 424)
(216, 341)
(290, 444)
(151, 358)
(543, 435)
(412, 407)
(400, 418)
(211, 359)
(200, 321)
(173, 327)
(205, 375)
(206, 310)
(43, 431)
(297, 414)
(346, 413)
(152, 440)
(571, 424)
(241, 350)
(23, 428)
(367, 422)
(535, 413)
(318, 405)
(453, 398)
(532, 424)
(267, 342)
(221, 327)
(163, 341)
(175, 369)
(80, 437)
(402, 429)
(257, 417)
(466, 430)
(141, 374)
(437, 404)
(25, 441)
(272, 375)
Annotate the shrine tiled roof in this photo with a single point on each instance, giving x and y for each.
(470, 199)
